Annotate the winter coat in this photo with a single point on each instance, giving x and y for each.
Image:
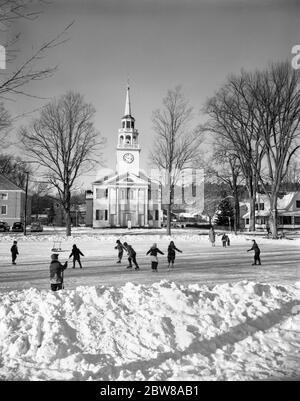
(120, 248)
(255, 248)
(224, 238)
(76, 252)
(56, 270)
(171, 251)
(130, 251)
(154, 252)
(14, 250)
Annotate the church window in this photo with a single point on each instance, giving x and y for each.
(156, 215)
(123, 124)
(127, 124)
(128, 139)
(149, 193)
(132, 124)
(106, 193)
(106, 214)
(98, 214)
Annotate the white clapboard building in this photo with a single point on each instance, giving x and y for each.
(127, 198)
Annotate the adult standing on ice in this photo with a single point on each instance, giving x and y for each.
(76, 252)
(153, 251)
(56, 273)
(14, 252)
(131, 256)
(171, 254)
(212, 236)
(256, 250)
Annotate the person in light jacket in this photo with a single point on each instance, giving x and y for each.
(153, 251)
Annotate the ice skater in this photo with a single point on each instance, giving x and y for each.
(153, 251)
(171, 254)
(56, 273)
(256, 250)
(120, 249)
(212, 236)
(131, 256)
(14, 252)
(76, 252)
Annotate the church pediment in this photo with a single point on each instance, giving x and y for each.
(123, 180)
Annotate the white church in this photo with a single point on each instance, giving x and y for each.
(127, 198)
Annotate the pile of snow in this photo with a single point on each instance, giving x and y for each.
(163, 331)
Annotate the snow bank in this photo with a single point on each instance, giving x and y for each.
(164, 331)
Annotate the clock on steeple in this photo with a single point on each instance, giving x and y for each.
(128, 148)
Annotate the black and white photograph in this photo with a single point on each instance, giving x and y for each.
(149, 193)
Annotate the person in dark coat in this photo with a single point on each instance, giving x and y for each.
(172, 253)
(56, 273)
(131, 256)
(14, 252)
(120, 249)
(153, 251)
(76, 252)
(224, 240)
(256, 250)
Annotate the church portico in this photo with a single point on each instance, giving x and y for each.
(127, 198)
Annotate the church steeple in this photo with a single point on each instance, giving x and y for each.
(128, 148)
(127, 103)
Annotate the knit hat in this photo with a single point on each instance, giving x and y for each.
(54, 256)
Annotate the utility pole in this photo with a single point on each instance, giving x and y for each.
(26, 197)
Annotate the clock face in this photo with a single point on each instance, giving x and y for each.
(128, 158)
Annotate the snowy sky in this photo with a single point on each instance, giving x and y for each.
(158, 45)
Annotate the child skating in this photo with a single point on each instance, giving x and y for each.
(76, 252)
(171, 254)
(256, 250)
(14, 252)
(120, 249)
(131, 256)
(153, 251)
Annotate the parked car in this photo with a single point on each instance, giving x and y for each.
(4, 226)
(36, 227)
(17, 227)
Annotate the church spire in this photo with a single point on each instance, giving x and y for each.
(127, 103)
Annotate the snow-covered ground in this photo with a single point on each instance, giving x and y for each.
(212, 317)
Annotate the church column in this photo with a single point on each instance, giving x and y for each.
(108, 206)
(146, 206)
(117, 206)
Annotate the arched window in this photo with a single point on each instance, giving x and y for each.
(127, 124)
(121, 139)
(123, 124)
(132, 124)
(128, 139)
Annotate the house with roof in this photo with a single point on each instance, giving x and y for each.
(12, 202)
(288, 207)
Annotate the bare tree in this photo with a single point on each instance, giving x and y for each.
(5, 124)
(277, 117)
(14, 80)
(15, 169)
(232, 118)
(63, 141)
(225, 166)
(176, 146)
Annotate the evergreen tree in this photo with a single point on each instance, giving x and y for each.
(225, 213)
